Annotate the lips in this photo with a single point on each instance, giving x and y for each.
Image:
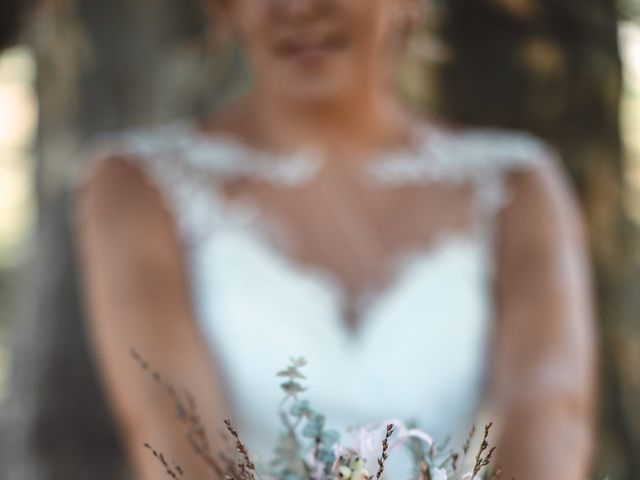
(310, 48)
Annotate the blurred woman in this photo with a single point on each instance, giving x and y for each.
(422, 269)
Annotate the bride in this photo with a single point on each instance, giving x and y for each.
(424, 270)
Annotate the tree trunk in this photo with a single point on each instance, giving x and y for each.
(12, 18)
(553, 68)
(101, 66)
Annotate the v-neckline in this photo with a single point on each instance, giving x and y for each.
(354, 306)
(251, 220)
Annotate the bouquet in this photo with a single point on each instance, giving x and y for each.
(307, 450)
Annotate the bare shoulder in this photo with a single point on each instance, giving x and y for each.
(544, 178)
(543, 202)
(115, 188)
(118, 209)
(541, 232)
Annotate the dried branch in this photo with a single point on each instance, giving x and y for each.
(247, 468)
(188, 414)
(480, 460)
(385, 448)
(174, 472)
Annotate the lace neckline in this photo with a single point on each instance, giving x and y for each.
(188, 165)
(298, 166)
(435, 154)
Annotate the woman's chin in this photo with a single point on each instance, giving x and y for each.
(316, 92)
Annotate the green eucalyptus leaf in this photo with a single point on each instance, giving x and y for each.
(330, 437)
(300, 408)
(317, 419)
(299, 362)
(292, 388)
(292, 373)
(312, 430)
(325, 455)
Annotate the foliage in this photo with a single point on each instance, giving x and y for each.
(307, 450)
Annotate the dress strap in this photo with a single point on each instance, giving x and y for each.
(483, 157)
(497, 155)
(188, 167)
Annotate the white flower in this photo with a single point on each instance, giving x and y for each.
(404, 433)
(367, 442)
(439, 474)
(361, 474)
(344, 473)
(468, 475)
(367, 439)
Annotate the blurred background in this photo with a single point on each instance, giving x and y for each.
(568, 70)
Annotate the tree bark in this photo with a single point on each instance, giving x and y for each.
(553, 68)
(102, 66)
(13, 14)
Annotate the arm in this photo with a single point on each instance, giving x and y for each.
(136, 297)
(544, 370)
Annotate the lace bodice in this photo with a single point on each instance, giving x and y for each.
(422, 346)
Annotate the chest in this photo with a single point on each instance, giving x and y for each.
(355, 235)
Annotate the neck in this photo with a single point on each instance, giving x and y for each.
(361, 119)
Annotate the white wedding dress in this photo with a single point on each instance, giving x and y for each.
(421, 350)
